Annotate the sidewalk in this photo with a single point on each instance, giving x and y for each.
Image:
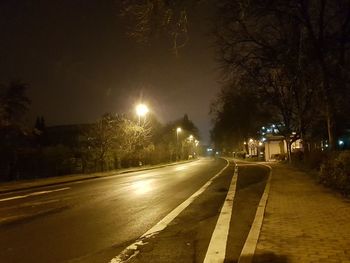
(304, 222)
(7, 187)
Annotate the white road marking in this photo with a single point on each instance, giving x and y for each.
(132, 250)
(217, 247)
(33, 194)
(26, 204)
(11, 219)
(251, 242)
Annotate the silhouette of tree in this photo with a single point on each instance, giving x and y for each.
(13, 103)
(299, 47)
(237, 114)
(13, 106)
(154, 19)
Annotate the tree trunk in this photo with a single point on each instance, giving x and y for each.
(289, 151)
(330, 129)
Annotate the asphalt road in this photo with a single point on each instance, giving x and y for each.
(95, 220)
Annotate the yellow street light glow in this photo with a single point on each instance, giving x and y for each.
(178, 129)
(142, 187)
(250, 140)
(141, 110)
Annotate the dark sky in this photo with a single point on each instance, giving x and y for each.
(79, 63)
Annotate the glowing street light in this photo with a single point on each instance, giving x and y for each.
(141, 110)
(178, 130)
(196, 142)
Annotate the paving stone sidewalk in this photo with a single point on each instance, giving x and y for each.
(304, 222)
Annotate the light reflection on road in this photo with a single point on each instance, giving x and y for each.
(142, 187)
(180, 168)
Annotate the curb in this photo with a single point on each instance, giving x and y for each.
(132, 170)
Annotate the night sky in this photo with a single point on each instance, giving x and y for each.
(79, 63)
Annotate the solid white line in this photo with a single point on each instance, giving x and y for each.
(251, 242)
(33, 194)
(132, 250)
(217, 246)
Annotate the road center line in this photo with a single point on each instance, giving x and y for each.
(217, 246)
(33, 194)
(132, 250)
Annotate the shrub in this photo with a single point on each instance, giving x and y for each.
(279, 156)
(240, 155)
(335, 172)
(310, 160)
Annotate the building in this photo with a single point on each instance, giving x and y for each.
(276, 148)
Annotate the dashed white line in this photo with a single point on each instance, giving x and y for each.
(132, 250)
(33, 194)
(217, 246)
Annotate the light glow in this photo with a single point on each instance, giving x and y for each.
(142, 187)
(141, 110)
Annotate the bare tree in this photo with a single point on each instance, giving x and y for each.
(154, 19)
(117, 135)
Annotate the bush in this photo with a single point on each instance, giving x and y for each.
(314, 160)
(310, 160)
(279, 156)
(240, 155)
(335, 172)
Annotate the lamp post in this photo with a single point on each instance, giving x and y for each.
(141, 111)
(178, 130)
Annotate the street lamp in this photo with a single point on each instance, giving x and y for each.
(178, 130)
(141, 110)
(196, 142)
